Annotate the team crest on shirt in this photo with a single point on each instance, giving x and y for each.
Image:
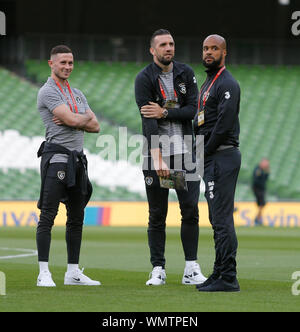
(149, 180)
(61, 174)
(182, 88)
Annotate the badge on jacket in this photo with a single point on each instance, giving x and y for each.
(201, 118)
(182, 88)
(61, 175)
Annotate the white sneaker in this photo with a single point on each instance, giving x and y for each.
(45, 279)
(77, 277)
(158, 277)
(193, 275)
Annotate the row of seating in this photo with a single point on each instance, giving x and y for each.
(269, 121)
(20, 164)
(269, 111)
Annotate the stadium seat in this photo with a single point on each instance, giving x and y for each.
(270, 97)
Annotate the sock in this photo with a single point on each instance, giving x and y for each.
(43, 266)
(189, 264)
(72, 267)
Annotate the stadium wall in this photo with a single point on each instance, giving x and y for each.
(24, 214)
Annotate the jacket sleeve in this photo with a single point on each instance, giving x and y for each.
(144, 94)
(229, 97)
(189, 109)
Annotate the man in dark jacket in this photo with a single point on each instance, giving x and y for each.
(217, 120)
(259, 184)
(166, 94)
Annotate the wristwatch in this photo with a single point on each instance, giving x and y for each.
(165, 113)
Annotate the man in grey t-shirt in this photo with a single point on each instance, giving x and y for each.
(66, 116)
(50, 97)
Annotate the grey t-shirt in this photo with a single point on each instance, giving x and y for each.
(170, 128)
(49, 97)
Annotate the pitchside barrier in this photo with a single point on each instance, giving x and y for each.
(276, 214)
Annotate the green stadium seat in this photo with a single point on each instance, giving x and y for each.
(269, 117)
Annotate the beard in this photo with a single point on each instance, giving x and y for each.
(164, 61)
(214, 64)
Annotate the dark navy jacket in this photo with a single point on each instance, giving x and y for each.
(147, 89)
(221, 122)
(259, 178)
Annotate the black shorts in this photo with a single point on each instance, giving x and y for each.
(260, 196)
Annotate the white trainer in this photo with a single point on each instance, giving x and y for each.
(193, 275)
(77, 277)
(45, 279)
(157, 277)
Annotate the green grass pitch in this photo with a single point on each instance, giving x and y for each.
(119, 258)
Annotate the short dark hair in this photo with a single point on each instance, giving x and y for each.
(60, 49)
(159, 32)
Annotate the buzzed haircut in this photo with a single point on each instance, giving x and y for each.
(221, 40)
(159, 32)
(60, 49)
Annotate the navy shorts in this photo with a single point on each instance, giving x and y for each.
(259, 196)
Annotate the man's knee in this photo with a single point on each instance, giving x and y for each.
(157, 218)
(223, 228)
(47, 217)
(189, 212)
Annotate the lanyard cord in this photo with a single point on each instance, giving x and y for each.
(163, 91)
(71, 94)
(207, 91)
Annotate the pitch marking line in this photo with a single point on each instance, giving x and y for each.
(27, 253)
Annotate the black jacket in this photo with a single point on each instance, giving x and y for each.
(47, 151)
(147, 89)
(221, 123)
(259, 178)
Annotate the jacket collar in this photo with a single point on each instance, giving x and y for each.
(212, 71)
